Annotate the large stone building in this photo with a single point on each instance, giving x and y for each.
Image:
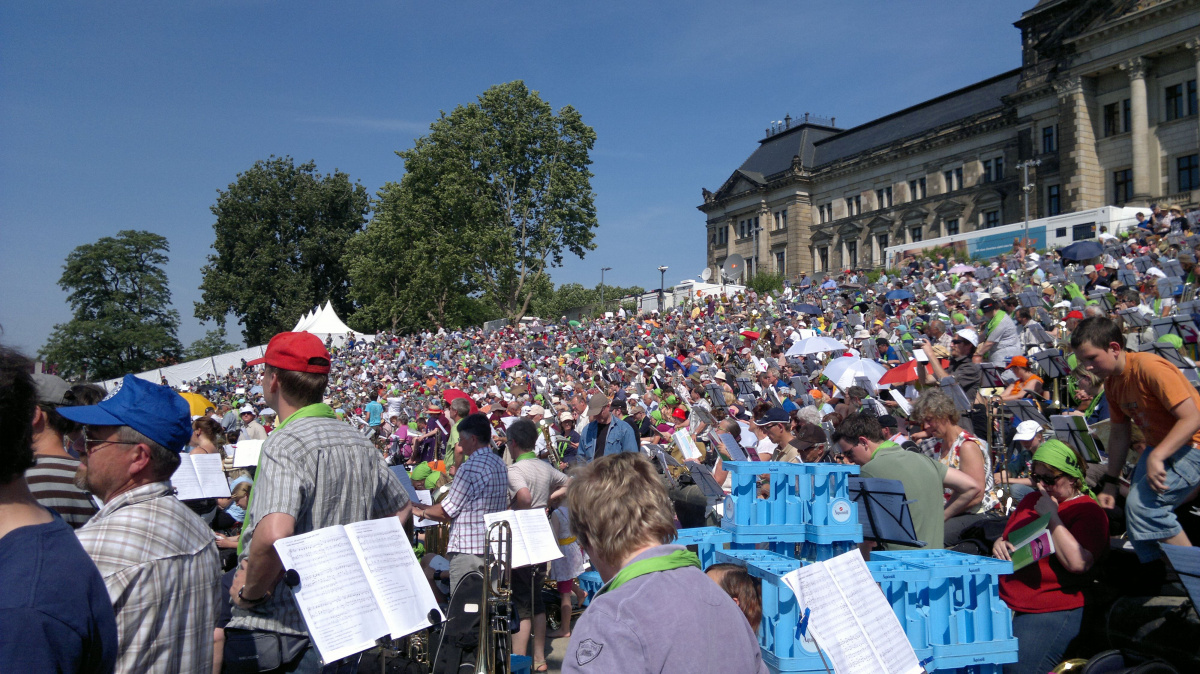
(1105, 101)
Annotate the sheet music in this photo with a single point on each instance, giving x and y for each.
(533, 540)
(200, 476)
(394, 574)
(424, 497)
(850, 619)
(334, 596)
(687, 445)
(902, 401)
(246, 454)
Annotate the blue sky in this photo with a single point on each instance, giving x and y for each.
(131, 115)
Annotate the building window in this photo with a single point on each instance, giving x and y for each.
(1112, 120)
(991, 219)
(825, 212)
(993, 170)
(1126, 116)
(781, 263)
(823, 258)
(883, 243)
(780, 219)
(1191, 97)
(1174, 102)
(1053, 200)
(915, 233)
(741, 229)
(853, 206)
(1085, 231)
(953, 179)
(916, 189)
(1122, 186)
(952, 227)
(1188, 171)
(1050, 138)
(883, 197)
(852, 253)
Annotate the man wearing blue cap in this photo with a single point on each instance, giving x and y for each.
(158, 559)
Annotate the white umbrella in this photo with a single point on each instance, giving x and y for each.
(818, 344)
(843, 371)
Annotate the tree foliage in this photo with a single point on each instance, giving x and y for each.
(764, 282)
(571, 296)
(281, 232)
(213, 343)
(491, 200)
(123, 321)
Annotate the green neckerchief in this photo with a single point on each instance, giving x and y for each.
(1158, 307)
(316, 410)
(996, 318)
(526, 455)
(1095, 401)
(675, 560)
(1072, 290)
(883, 445)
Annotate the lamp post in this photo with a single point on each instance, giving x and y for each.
(662, 275)
(602, 306)
(1027, 187)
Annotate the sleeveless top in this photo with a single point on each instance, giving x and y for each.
(953, 460)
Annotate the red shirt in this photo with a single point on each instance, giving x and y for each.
(1046, 586)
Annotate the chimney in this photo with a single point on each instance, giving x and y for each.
(787, 120)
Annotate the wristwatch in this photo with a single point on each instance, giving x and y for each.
(252, 601)
(437, 575)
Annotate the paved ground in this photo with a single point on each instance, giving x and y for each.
(555, 651)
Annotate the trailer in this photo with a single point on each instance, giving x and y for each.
(1046, 233)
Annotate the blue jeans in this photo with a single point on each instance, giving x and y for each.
(1149, 515)
(1042, 638)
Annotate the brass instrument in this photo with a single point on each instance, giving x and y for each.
(496, 609)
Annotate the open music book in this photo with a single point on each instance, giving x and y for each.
(533, 540)
(200, 476)
(246, 453)
(358, 582)
(1031, 543)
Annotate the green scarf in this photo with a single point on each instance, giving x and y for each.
(526, 455)
(1095, 401)
(883, 445)
(675, 560)
(1057, 455)
(316, 410)
(1072, 290)
(996, 318)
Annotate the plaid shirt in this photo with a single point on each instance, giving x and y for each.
(480, 487)
(321, 472)
(160, 564)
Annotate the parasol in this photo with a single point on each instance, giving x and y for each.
(816, 344)
(197, 403)
(511, 362)
(904, 373)
(453, 394)
(843, 371)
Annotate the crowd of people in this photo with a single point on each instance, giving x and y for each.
(941, 373)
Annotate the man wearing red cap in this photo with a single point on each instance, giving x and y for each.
(313, 472)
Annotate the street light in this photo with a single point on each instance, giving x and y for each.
(662, 275)
(602, 270)
(1027, 187)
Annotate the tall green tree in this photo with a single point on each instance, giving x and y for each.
(213, 343)
(492, 198)
(123, 321)
(281, 232)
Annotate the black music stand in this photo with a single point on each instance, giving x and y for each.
(990, 376)
(1175, 325)
(883, 511)
(664, 462)
(716, 395)
(951, 388)
(1030, 299)
(1186, 562)
(703, 478)
(1133, 318)
(1128, 277)
(1072, 431)
(1037, 334)
(1166, 351)
(1051, 362)
(1025, 410)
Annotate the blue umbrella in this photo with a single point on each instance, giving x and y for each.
(810, 309)
(673, 364)
(900, 294)
(430, 363)
(1082, 250)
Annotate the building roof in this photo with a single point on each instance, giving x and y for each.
(945, 109)
(774, 154)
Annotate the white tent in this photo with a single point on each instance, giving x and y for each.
(324, 322)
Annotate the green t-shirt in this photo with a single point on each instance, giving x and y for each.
(922, 478)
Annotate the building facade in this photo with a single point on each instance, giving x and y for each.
(1103, 111)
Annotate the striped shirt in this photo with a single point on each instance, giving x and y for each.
(160, 564)
(52, 483)
(479, 487)
(321, 472)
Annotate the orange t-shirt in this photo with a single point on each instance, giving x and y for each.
(1146, 392)
(1019, 386)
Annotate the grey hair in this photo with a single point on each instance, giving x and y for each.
(810, 414)
(1094, 310)
(163, 460)
(461, 407)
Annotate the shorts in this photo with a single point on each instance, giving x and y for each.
(1149, 515)
(527, 584)
(566, 586)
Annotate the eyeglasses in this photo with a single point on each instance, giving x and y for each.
(89, 444)
(1045, 479)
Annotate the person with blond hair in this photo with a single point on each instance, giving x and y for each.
(656, 609)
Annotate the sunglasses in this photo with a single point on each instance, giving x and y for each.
(1044, 479)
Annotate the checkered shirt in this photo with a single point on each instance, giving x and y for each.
(321, 472)
(160, 564)
(480, 487)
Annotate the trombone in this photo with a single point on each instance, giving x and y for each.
(495, 629)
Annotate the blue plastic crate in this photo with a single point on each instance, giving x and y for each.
(590, 582)
(707, 541)
(807, 502)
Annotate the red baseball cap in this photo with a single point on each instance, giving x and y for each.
(296, 351)
(1075, 314)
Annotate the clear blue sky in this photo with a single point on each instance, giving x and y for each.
(131, 115)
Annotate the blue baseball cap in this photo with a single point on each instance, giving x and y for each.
(775, 415)
(153, 410)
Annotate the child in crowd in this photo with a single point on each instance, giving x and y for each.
(565, 569)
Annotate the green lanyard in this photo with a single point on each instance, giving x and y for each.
(883, 445)
(996, 318)
(316, 410)
(675, 560)
(526, 455)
